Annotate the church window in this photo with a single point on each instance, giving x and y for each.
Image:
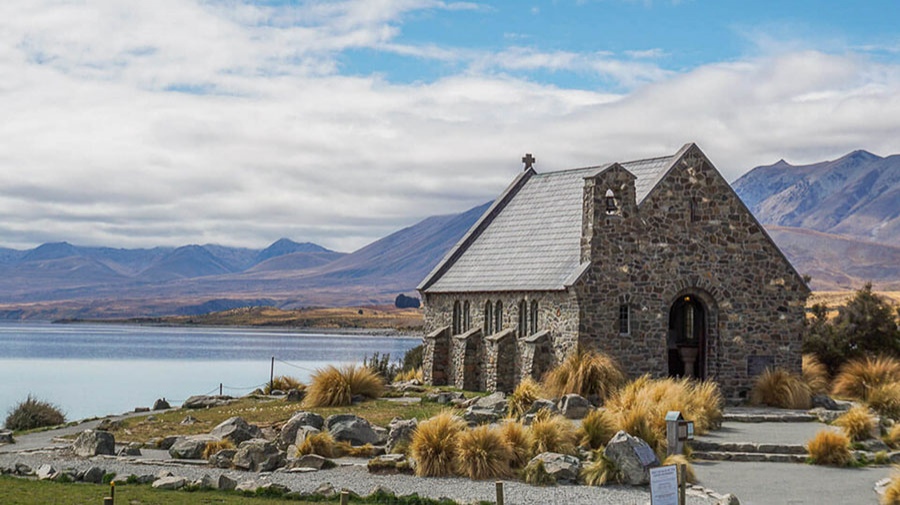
(466, 319)
(523, 319)
(488, 318)
(695, 209)
(498, 315)
(534, 317)
(624, 319)
(611, 207)
(455, 325)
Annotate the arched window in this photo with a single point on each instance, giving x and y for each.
(498, 316)
(455, 326)
(534, 316)
(467, 320)
(523, 319)
(488, 318)
(624, 319)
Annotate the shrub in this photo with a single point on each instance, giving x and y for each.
(380, 364)
(637, 422)
(413, 358)
(893, 436)
(553, 433)
(601, 470)
(283, 383)
(885, 399)
(33, 413)
(815, 374)
(857, 423)
(782, 389)
(344, 448)
(859, 376)
(413, 374)
(597, 427)
(536, 475)
(214, 447)
(335, 387)
(434, 445)
(483, 454)
(519, 440)
(678, 460)
(892, 491)
(829, 448)
(592, 375)
(321, 443)
(523, 397)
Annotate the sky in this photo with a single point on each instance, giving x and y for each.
(173, 122)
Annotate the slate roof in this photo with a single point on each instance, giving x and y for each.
(530, 240)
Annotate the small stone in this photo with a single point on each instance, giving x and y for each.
(313, 461)
(390, 464)
(729, 499)
(23, 470)
(46, 472)
(562, 467)
(141, 409)
(223, 458)
(574, 406)
(170, 483)
(132, 449)
(381, 491)
(94, 475)
(249, 486)
(326, 490)
(189, 420)
(295, 395)
(6, 437)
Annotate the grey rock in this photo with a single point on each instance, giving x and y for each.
(574, 406)
(388, 464)
(235, 429)
(204, 401)
(633, 456)
(295, 395)
(164, 473)
(223, 458)
(873, 445)
(401, 431)
(380, 490)
(249, 486)
(109, 425)
(161, 404)
(729, 499)
(170, 483)
(475, 415)
(226, 483)
(826, 416)
(258, 455)
(289, 431)
(274, 486)
(167, 442)
(189, 420)
(303, 432)
(23, 470)
(6, 437)
(444, 397)
(46, 472)
(310, 461)
(132, 449)
(93, 442)
(494, 401)
(825, 402)
(191, 447)
(351, 428)
(562, 467)
(94, 475)
(542, 404)
(326, 490)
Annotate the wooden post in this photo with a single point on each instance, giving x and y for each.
(107, 501)
(220, 389)
(682, 483)
(499, 493)
(345, 497)
(112, 491)
(272, 375)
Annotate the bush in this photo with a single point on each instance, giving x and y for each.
(815, 374)
(523, 397)
(434, 445)
(600, 471)
(413, 358)
(885, 399)
(892, 491)
(483, 454)
(214, 447)
(33, 413)
(321, 443)
(381, 365)
(335, 387)
(893, 437)
(829, 448)
(592, 375)
(553, 433)
(857, 423)
(596, 429)
(283, 383)
(520, 442)
(680, 459)
(857, 377)
(414, 374)
(782, 389)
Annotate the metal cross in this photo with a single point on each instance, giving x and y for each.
(528, 160)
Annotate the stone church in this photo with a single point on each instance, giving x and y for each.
(656, 262)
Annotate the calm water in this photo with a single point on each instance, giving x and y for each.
(93, 370)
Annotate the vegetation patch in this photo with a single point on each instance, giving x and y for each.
(858, 424)
(333, 387)
(858, 377)
(483, 454)
(829, 447)
(521, 399)
(597, 428)
(590, 374)
(552, 433)
(33, 413)
(815, 374)
(782, 389)
(434, 445)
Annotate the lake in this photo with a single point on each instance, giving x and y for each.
(93, 370)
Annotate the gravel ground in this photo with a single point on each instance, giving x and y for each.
(352, 475)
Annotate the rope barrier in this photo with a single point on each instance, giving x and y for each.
(250, 388)
(295, 366)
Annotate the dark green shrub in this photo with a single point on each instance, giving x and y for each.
(413, 358)
(33, 413)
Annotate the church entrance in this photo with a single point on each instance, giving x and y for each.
(687, 338)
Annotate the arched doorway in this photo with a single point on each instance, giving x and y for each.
(687, 337)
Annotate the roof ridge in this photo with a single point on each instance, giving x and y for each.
(608, 164)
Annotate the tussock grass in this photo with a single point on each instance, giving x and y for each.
(857, 423)
(815, 374)
(536, 475)
(434, 445)
(892, 491)
(520, 442)
(597, 427)
(412, 374)
(592, 375)
(523, 397)
(335, 387)
(284, 383)
(214, 447)
(885, 399)
(782, 389)
(893, 436)
(482, 454)
(321, 443)
(680, 459)
(860, 376)
(553, 433)
(32, 413)
(600, 471)
(829, 447)
(344, 448)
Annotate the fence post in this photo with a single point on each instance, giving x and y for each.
(682, 483)
(107, 501)
(220, 389)
(499, 492)
(345, 497)
(272, 375)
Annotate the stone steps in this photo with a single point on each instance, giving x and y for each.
(762, 416)
(748, 447)
(749, 456)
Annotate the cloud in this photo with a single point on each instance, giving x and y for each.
(166, 123)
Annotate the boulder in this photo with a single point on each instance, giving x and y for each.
(191, 447)
(444, 397)
(132, 449)
(825, 402)
(93, 442)
(258, 455)
(381, 491)
(475, 415)
(633, 457)
(167, 442)
(562, 467)
(221, 483)
(351, 428)
(303, 432)
(235, 429)
(873, 445)
(6, 437)
(109, 425)
(93, 475)
(325, 490)
(574, 406)
(23, 470)
(205, 401)
(248, 486)
(161, 404)
(494, 401)
(223, 458)
(288, 433)
(391, 464)
(46, 472)
(170, 483)
(729, 499)
(313, 461)
(295, 395)
(401, 431)
(542, 404)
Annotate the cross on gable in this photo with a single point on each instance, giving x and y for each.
(528, 160)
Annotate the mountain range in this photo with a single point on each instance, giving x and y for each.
(837, 221)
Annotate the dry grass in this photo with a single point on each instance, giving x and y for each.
(482, 453)
(214, 447)
(523, 397)
(857, 423)
(434, 445)
(334, 387)
(321, 443)
(885, 399)
(893, 436)
(680, 459)
(520, 442)
(414, 374)
(892, 491)
(597, 427)
(600, 471)
(536, 475)
(858, 377)
(815, 374)
(590, 374)
(553, 433)
(32, 413)
(380, 316)
(284, 383)
(782, 389)
(829, 448)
